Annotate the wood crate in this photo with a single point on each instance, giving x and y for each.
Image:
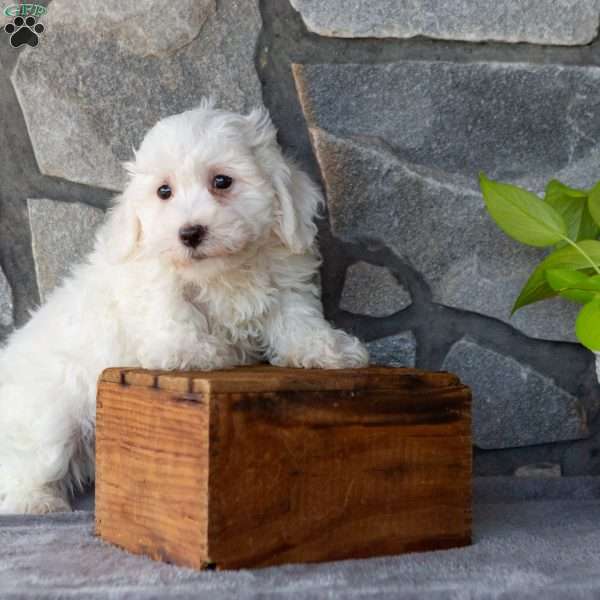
(262, 465)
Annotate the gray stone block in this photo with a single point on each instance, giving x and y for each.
(62, 234)
(562, 22)
(110, 69)
(514, 405)
(6, 301)
(400, 146)
(397, 350)
(372, 290)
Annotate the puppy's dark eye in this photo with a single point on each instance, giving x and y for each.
(164, 192)
(222, 182)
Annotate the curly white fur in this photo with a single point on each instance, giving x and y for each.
(142, 298)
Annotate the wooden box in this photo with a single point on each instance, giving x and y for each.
(262, 465)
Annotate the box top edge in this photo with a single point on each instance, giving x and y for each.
(266, 377)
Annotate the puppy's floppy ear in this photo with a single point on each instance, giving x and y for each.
(119, 235)
(299, 203)
(299, 198)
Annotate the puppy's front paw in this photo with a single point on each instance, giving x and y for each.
(192, 354)
(344, 352)
(331, 349)
(353, 354)
(207, 357)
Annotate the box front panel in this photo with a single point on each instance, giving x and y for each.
(152, 465)
(332, 475)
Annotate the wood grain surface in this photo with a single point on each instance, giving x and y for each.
(151, 473)
(260, 466)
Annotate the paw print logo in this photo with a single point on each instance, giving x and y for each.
(24, 31)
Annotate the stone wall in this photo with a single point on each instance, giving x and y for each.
(394, 107)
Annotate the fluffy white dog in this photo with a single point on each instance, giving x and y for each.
(207, 260)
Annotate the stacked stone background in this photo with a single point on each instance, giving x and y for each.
(394, 107)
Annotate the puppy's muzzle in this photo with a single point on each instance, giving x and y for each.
(192, 235)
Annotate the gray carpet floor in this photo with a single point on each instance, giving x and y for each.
(533, 539)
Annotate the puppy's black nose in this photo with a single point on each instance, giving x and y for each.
(192, 235)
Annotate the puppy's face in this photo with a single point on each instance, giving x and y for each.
(200, 187)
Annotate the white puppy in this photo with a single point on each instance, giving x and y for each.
(207, 260)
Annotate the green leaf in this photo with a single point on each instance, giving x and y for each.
(587, 326)
(594, 203)
(571, 204)
(588, 228)
(537, 287)
(574, 285)
(521, 214)
(555, 188)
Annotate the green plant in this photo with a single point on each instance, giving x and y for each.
(568, 220)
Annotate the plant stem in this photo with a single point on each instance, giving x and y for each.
(582, 252)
